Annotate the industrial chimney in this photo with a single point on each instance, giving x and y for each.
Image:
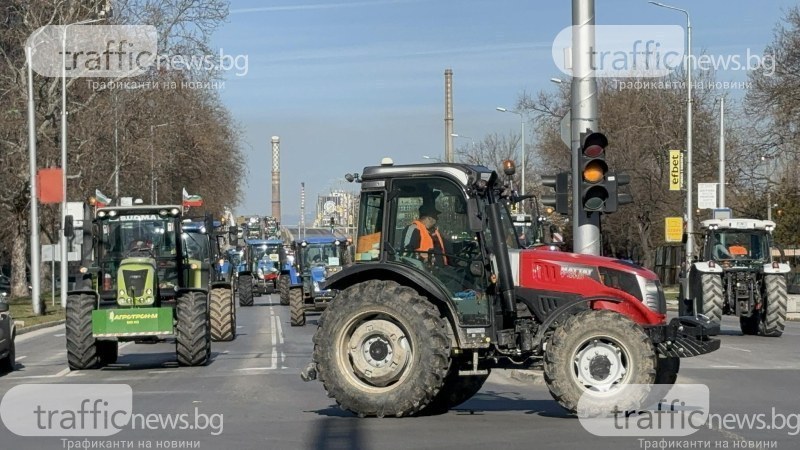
(448, 115)
(276, 178)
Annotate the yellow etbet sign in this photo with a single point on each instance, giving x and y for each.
(673, 229)
(675, 170)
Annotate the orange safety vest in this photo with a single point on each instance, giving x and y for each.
(737, 250)
(426, 240)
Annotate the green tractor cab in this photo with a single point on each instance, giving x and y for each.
(138, 283)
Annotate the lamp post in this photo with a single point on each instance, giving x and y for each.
(689, 222)
(472, 141)
(64, 262)
(153, 193)
(522, 149)
(34, 207)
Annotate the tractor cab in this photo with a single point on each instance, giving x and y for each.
(198, 255)
(736, 242)
(319, 257)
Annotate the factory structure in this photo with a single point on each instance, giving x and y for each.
(339, 205)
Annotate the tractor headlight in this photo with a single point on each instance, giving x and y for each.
(112, 213)
(654, 296)
(174, 211)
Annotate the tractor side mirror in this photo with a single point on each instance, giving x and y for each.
(474, 215)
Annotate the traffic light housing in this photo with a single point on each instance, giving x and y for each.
(616, 198)
(559, 199)
(594, 188)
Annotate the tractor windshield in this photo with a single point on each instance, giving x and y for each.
(265, 256)
(138, 235)
(196, 245)
(322, 254)
(738, 245)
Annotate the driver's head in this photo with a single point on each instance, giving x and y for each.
(429, 215)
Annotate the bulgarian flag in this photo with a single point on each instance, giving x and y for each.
(100, 199)
(191, 200)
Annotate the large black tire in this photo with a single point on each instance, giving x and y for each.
(455, 391)
(193, 343)
(589, 351)
(667, 370)
(81, 344)
(750, 325)
(223, 314)
(297, 307)
(246, 290)
(107, 352)
(391, 332)
(9, 363)
(774, 316)
(283, 288)
(712, 296)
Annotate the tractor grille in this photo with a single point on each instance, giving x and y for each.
(135, 280)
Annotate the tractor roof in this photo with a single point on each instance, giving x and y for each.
(163, 210)
(464, 174)
(263, 242)
(738, 224)
(330, 239)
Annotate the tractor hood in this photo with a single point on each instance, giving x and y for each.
(542, 253)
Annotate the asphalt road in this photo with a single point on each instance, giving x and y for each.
(252, 389)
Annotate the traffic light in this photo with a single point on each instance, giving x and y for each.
(557, 200)
(592, 163)
(616, 198)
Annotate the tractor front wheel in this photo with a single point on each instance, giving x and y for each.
(245, 290)
(283, 289)
(597, 355)
(223, 315)
(81, 344)
(297, 307)
(381, 349)
(193, 343)
(712, 297)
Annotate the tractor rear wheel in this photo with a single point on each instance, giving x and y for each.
(107, 352)
(223, 314)
(775, 309)
(246, 290)
(81, 344)
(193, 343)
(599, 352)
(381, 349)
(283, 288)
(455, 391)
(297, 307)
(712, 296)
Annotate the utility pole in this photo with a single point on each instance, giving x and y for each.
(722, 152)
(586, 225)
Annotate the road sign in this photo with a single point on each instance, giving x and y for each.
(706, 195)
(49, 252)
(675, 170)
(673, 229)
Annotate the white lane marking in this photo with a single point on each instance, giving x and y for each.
(273, 332)
(59, 335)
(274, 356)
(163, 371)
(76, 374)
(255, 368)
(18, 358)
(280, 329)
(28, 377)
(124, 344)
(737, 348)
(724, 367)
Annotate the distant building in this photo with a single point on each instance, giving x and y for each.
(340, 205)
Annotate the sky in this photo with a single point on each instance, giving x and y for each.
(345, 83)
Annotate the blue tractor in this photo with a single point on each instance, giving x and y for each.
(259, 268)
(316, 258)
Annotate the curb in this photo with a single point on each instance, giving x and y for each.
(39, 326)
(528, 376)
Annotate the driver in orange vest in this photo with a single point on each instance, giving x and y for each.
(422, 236)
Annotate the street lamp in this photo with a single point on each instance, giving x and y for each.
(434, 158)
(64, 262)
(689, 222)
(522, 149)
(472, 141)
(153, 193)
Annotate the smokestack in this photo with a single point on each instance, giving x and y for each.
(302, 227)
(448, 115)
(276, 178)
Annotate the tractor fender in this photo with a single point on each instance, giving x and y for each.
(221, 284)
(782, 268)
(180, 291)
(423, 283)
(704, 267)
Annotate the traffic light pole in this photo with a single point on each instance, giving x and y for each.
(585, 226)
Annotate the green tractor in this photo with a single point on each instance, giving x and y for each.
(138, 282)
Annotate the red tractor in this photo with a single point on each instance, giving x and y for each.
(417, 328)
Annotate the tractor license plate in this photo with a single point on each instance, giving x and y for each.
(132, 322)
